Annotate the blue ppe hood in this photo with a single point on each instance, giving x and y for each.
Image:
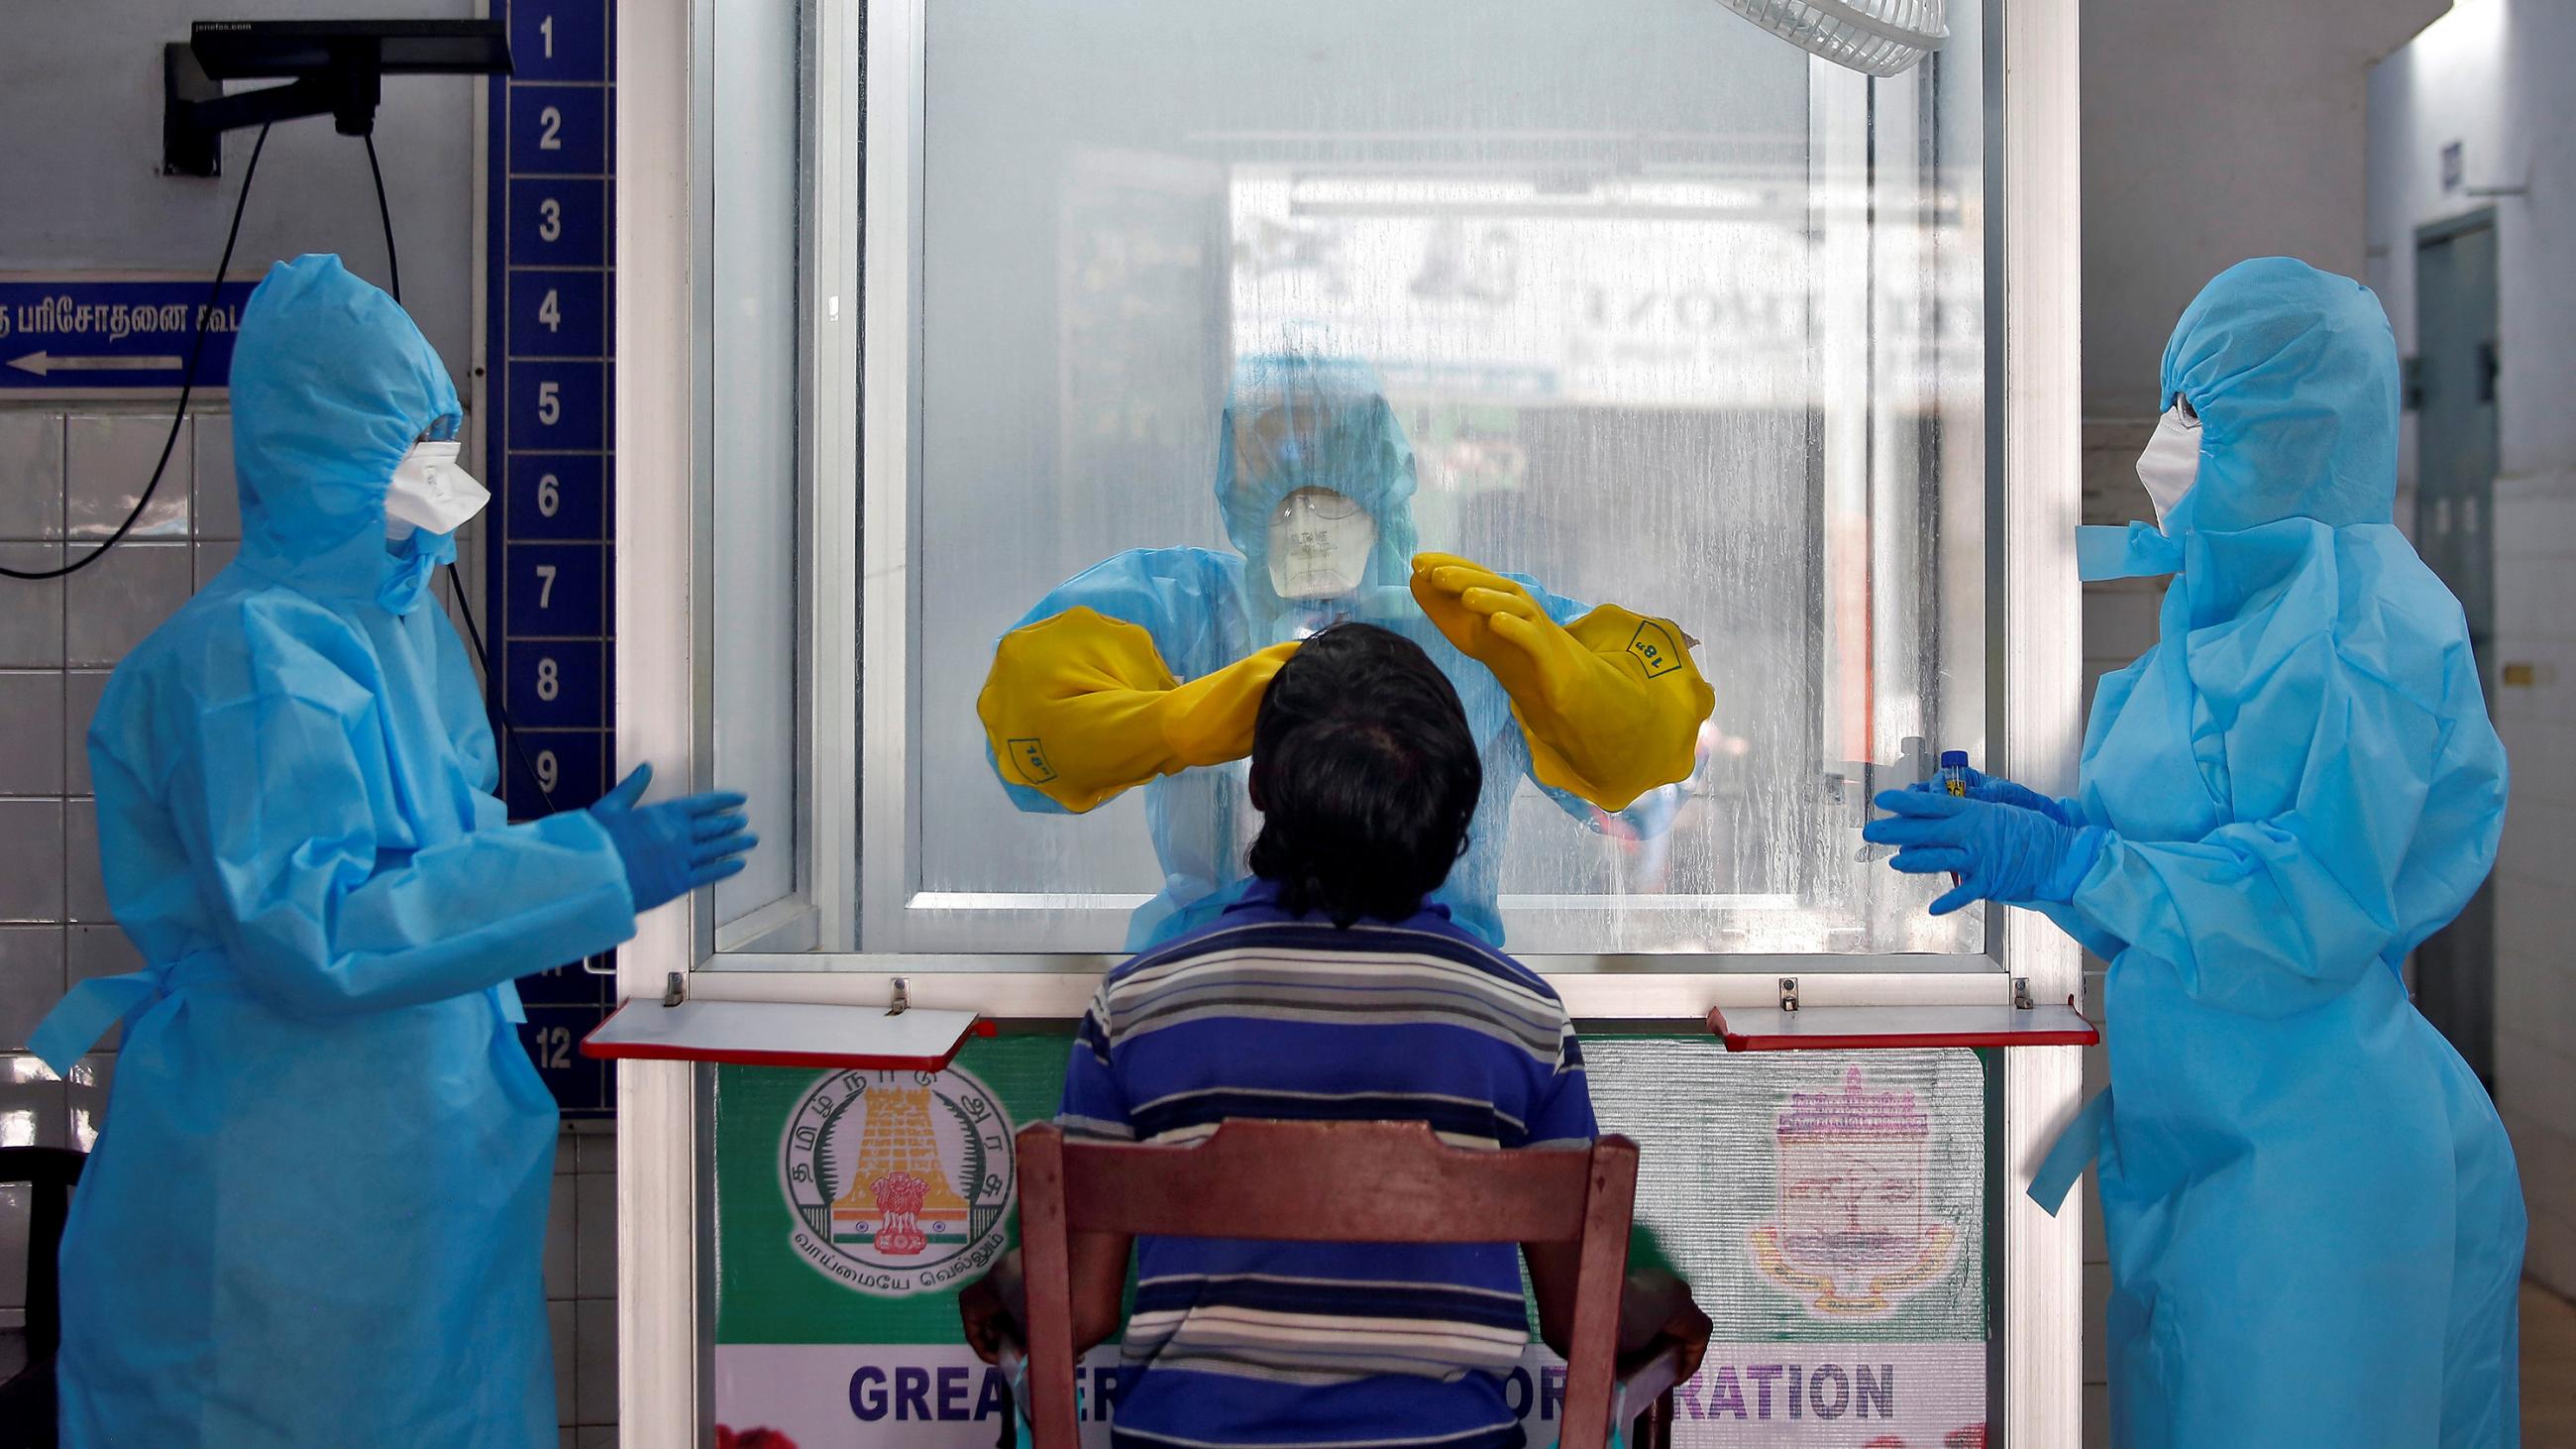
(1294, 421)
(2294, 374)
(332, 384)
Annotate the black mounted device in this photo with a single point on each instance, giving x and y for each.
(330, 66)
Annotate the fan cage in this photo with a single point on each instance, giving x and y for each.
(1874, 37)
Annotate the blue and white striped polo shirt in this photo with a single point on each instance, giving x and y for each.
(1267, 1014)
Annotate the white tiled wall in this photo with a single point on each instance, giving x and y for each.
(2535, 1061)
(581, 1285)
(74, 476)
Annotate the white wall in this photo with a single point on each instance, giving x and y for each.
(2492, 75)
(2216, 130)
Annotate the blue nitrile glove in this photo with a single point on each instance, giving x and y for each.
(1996, 790)
(1999, 852)
(675, 847)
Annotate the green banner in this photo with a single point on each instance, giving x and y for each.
(1808, 1196)
(1829, 1210)
(805, 1252)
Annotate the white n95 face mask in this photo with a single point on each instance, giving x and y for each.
(2171, 464)
(1319, 545)
(432, 491)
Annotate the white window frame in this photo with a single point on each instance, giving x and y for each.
(665, 1291)
(869, 802)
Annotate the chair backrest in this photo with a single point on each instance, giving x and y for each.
(1255, 1179)
(51, 1172)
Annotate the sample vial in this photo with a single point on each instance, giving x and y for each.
(1954, 779)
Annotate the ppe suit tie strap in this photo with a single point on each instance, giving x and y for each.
(86, 1012)
(2075, 1149)
(2137, 551)
(1016, 1428)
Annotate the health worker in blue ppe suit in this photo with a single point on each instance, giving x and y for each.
(317, 1211)
(2314, 1221)
(1148, 669)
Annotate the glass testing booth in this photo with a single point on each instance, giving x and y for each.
(925, 306)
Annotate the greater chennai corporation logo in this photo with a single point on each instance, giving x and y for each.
(898, 1180)
(1856, 1234)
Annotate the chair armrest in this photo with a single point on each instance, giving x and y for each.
(1637, 1390)
(1010, 1359)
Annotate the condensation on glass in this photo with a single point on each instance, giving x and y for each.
(750, 378)
(1673, 314)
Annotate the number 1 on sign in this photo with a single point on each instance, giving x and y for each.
(546, 28)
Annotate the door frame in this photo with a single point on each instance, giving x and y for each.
(2480, 1056)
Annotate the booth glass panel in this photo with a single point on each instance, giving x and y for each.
(1671, 315)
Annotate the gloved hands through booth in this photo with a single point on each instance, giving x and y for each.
(1612, 704)
(676, 846)
(1080, 706)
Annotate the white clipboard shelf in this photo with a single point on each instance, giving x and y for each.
(784, 1034)
(1889, 1028)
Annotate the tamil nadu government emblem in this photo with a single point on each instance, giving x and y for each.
(1855, 1234)
(898, 1180)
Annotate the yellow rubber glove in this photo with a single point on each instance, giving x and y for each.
(1611, 705)
(1080, 706)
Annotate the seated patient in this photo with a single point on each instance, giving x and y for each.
(1330, 990)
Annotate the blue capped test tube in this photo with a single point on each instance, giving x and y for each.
(1954, 779)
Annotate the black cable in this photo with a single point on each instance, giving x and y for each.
(187, 385)
(455, 581)
(393, 263)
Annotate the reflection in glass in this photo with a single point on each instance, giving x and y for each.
(750, 385)
(1666, 312)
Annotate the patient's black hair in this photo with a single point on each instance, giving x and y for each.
(1365, 774)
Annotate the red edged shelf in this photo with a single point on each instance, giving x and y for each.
(1888, 1028)
(784, 1034)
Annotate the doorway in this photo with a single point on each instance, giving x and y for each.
(2457, 446)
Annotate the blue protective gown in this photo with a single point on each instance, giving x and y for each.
(1207, 609)
(317, 1211)
(2315, 1224)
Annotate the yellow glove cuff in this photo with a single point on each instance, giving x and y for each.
(1634, 724)
(1068, 708)
(1080, 707)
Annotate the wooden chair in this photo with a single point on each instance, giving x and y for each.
(1255, 1179)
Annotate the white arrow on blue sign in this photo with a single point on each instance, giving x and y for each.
(43, 364)
(84, 334)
